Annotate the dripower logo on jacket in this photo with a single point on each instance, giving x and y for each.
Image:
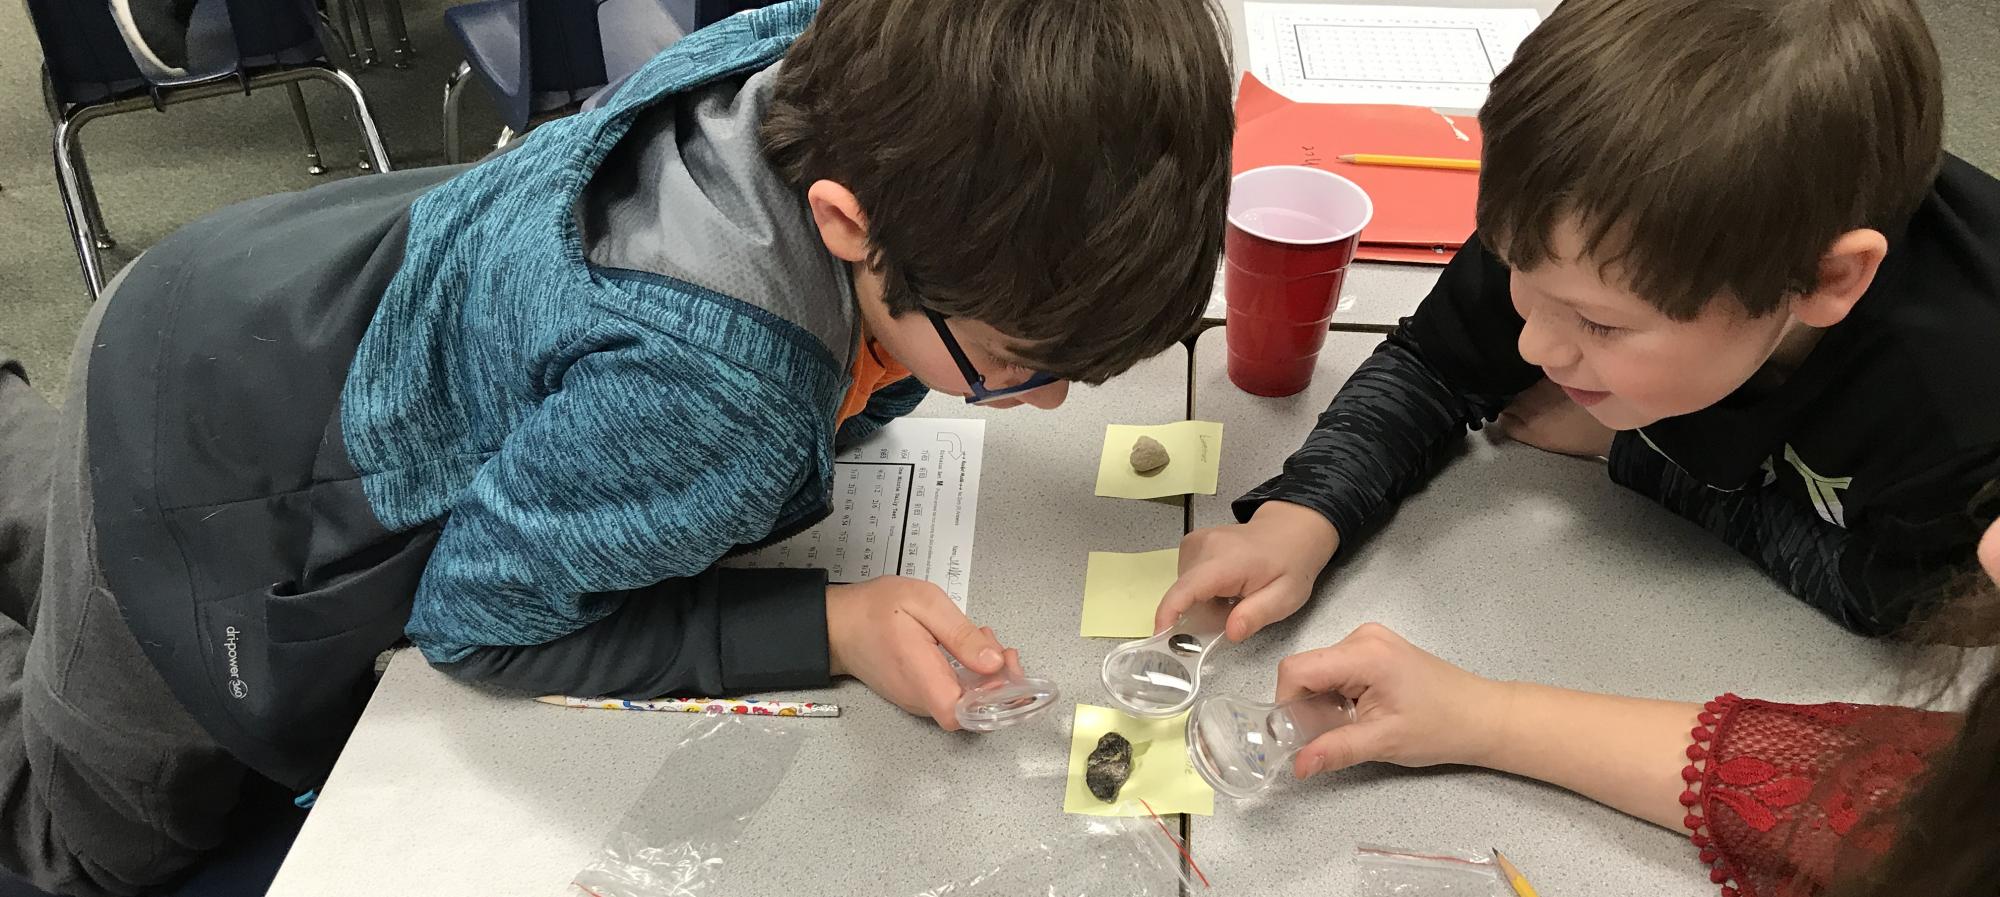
(237, 689)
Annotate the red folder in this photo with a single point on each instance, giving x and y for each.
(1421, 215)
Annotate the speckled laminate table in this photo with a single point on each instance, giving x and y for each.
(1375, 296)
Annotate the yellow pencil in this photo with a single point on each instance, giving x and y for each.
(1411, 161)
(1514, 877)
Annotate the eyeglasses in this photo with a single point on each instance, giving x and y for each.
(973, 379)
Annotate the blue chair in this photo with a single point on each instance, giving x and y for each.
(707, 12)
(94, 67)
(539, 59)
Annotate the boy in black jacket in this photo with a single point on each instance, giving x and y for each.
(1720, 245)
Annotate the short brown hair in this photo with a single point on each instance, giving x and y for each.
(1705, 147)
(1058, 169)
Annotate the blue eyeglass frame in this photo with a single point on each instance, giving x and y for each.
(977, 381)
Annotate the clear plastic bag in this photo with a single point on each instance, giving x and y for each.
(681, 854)
(1395, 872)
(676, 841)
(1094, 856)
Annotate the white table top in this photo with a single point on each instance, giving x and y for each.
(1375, 296)
(1517, 565)
(444, 789)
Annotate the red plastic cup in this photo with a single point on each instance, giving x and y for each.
(1292, 232)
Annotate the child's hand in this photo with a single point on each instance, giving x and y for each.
(886, 633)
(1411, 708)
(1270, 562)
(1545, 418)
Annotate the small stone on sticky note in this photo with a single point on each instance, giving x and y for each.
(1108, 766)
(1159, 779)
(1195, 449)
(1148, 455)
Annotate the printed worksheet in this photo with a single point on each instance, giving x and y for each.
(1442, 57)
(904, 503)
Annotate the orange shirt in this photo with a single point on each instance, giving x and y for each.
(872, 371)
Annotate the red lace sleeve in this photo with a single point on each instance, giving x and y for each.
(1784, 798)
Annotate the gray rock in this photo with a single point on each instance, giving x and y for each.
(1108, 766)
(1149, 456)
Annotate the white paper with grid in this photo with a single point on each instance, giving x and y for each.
(1440, 57)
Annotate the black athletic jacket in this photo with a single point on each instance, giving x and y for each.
(1848, 482)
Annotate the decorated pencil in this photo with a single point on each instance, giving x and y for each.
(743, 706)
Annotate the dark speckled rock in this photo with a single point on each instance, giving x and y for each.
(1108, 766)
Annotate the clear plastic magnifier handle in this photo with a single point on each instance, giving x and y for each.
(1241, 747)
(1158, 677)
(991, 703)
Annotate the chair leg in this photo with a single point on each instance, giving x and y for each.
(314, 165)
(454, 88)
(340, 53)
(346, 30)
(68, 186)
(400, 31)
(86, 195)
(93, 215)
(373, 153)
(368, 56)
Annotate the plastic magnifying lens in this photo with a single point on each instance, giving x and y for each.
(1242, 747)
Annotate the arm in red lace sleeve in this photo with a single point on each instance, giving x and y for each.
(1784, 798)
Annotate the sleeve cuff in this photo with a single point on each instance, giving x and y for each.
(771, 632)
(1345, 521)
(1633, 463)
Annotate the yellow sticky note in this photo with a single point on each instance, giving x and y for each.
(1160, 771)
(1194, 455)
(1121, 591)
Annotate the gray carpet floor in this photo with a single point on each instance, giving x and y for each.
(157, 171)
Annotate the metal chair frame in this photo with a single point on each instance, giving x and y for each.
(454, 90)
(79, 198)
(454, 93)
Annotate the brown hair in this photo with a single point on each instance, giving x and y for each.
(1056, 169)
(1948, 828)
(1704, 147)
